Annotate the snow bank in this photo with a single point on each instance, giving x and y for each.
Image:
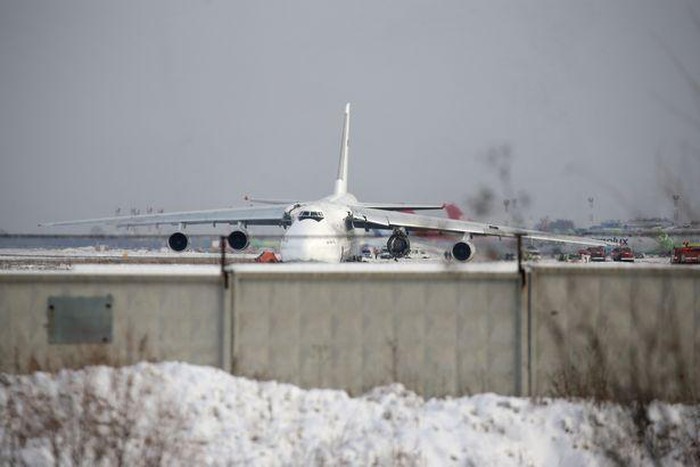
(179, 414)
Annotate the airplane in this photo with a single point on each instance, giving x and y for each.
(328, 229)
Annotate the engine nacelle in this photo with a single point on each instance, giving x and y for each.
(463, 251)
(178, 241)
(238, 239)
(398, 244)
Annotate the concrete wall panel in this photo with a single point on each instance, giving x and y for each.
(439, 334)
(618, 332)
(154, 318)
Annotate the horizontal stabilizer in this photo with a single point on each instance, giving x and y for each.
(287, 202)
(402, 206)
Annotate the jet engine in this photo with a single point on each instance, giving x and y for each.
(238, 239)
(398, 244)
(178, 241)
(463, 250)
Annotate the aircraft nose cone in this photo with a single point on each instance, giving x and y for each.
(310, 240)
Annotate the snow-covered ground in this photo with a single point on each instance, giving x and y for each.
(69, 259)
(98, 253)
(180, 414)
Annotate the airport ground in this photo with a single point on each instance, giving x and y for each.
(63, 251)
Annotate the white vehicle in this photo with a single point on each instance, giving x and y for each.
(330, 229)
(532, 253)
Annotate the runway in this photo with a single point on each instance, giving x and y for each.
(47, 259)
(68, 258)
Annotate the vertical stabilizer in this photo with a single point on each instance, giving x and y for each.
(341, 183)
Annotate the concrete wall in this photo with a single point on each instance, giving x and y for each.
(155, 317)
(441, 332)
(615, 332)
(575, 329)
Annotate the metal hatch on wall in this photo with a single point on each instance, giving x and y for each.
(80, 320)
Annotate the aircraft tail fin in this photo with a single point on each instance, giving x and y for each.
(341, 183)
(453, 212)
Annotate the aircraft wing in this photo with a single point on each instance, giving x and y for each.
(266, 215)
(379, 219)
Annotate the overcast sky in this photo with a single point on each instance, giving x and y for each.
(191, 105)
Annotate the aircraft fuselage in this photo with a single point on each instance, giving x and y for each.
(321, 231)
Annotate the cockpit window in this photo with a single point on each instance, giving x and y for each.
(315, 215)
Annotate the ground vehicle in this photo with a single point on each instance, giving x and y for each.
(622, 253)
(597, 253)
(688, 253)
(532, 254)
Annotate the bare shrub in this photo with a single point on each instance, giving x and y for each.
(79, 356)
(586, 375)
(91, 419)
(587, 372)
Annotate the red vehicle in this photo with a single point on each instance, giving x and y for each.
(597, 253)
(622, 253)
(686, 254)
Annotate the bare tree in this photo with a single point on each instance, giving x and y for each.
(673, 182)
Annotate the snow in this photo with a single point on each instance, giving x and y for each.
(100, 252)
(92, 260)
(128, 270)
(180, 414)
(210, 270)
(408, 266)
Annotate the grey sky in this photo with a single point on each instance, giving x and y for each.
(191, 105)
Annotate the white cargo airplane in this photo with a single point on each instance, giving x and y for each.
(326, 230)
